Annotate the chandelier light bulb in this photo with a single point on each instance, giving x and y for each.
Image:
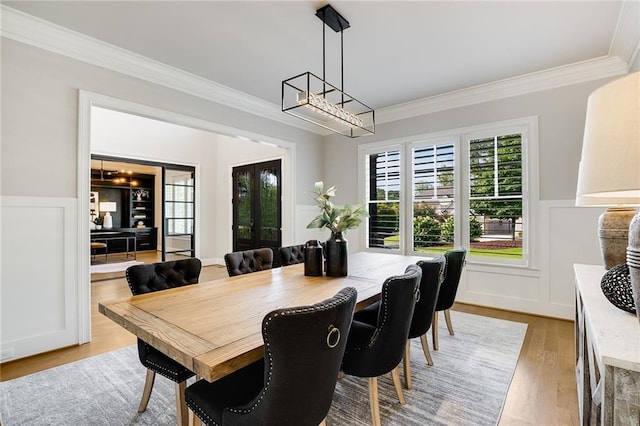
(321, 105)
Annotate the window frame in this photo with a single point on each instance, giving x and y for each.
(364, 190)
(181, 200)
(451, 139)
(526, 126)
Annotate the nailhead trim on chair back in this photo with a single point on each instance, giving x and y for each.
(385, 349)
(432, 277)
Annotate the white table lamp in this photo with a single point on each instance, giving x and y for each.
(609, 173)
(107, 207)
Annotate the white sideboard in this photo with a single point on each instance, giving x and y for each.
(607, 355)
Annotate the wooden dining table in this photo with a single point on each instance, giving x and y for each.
(215, 328)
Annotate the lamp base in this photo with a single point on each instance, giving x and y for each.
(613, 231)
(108, 221)
(633, 260)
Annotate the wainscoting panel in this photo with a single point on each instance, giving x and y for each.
(39, 275)
(482, 284)
(566, 235)
(572, 238)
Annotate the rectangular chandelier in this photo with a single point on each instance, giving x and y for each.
(313, 99)
(310, 98)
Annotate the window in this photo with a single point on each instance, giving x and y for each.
(179, 203)
(383, 199)
(433, 175)
(495, 196)
(467, 188)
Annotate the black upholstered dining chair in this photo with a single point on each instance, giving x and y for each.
(432, 276)
(148, 278)
(295, 381)
(374, 350)
(453, 270)
(290, 255)
(247, 261)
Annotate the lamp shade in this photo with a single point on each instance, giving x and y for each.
(609, 171)
(107, 206)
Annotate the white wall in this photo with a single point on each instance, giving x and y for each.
(39, 166)
(118, 134)
(39, 162)
(234, 152)
(636, 64)
(40, 118)
(565, 234)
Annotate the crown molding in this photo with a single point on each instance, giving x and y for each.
(25, 28)
(626, 37)
(580, 72)
(28, 29)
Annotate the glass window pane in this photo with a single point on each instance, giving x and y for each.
(495, 202)
(433, 197)
(383, 200)
(385, 176)
(180, 226)
(269, 204)
(244, 205)
(384, 225)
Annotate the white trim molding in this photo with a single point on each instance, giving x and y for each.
(37, 32)
(625, 43)
(87, 100)
(567, 75)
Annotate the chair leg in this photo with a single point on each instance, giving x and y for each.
(434, 331)
(194, 420)
(425, 349)
(447, 317)
(395, 375)
(182, 413)
(373, 401)
(407, 364)
(146, 393)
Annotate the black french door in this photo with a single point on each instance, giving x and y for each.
(257, 206)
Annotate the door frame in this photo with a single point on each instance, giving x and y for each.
(196, 208)
(87, 100)
(255, 206)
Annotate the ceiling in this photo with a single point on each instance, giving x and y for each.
(394, 52)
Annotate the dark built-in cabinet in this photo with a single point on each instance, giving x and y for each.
(133, 195)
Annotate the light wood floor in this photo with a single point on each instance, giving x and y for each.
(542, 392)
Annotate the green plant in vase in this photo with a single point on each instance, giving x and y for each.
(98, 221)
(337, 220)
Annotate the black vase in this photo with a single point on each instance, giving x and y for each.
(336, 254)
(313, 258)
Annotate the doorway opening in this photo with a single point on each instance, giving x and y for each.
(140, 207)
(116, 128)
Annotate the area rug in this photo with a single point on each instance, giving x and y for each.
(466, 386)
(113, 267)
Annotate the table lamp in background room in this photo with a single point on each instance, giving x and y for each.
(609, 174)
(107, 207)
